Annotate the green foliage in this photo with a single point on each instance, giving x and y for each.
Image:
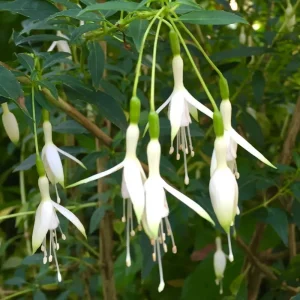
(96, 82)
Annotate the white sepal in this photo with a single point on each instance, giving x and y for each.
(247, 146)
(99, 175)
(132, 178)
(70, 216)
(192, 101)
(188, 202)
(71, 157)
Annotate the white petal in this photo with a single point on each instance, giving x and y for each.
(70, 216)
(154, 208)
(223, 192)
(99, 175)
(135, 187)
(176, 112)
(246, 145)
(42, 221)
(198, 105)
(158, 111)
(53, 160)
(71, 157)
(188, 202)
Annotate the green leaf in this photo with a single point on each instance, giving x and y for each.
(39, 295)
(96, 62)
(142, 3)
(70, 127)
(111, 5)
(277, 218)
(97, 216)
(34, 9)
(109, 108)
(136, 30)
(38, 38)
(212, 17)
(187, 6)
(26, 61)
(9, 86)
(79, 31)
(74, 13)
(258, 85)
(297, 297)
(51, 87)
(26, 164)
(58, 57)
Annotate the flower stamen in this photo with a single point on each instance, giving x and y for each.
(161, 275)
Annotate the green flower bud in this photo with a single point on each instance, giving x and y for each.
(40, 166)
(224, 89)
(218, 124)
(174, 41)
(135, 109)
(153, 125)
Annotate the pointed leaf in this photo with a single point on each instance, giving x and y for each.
(96, 62)
(136, 30)
(97, 216)
(9, 86)
(212, 17)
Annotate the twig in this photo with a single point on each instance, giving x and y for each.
(286, 158)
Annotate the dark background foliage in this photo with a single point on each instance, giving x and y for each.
(264, 79)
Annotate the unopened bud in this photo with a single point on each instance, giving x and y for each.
(10, 124)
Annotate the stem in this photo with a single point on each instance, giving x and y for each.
(152, 88)
(201, 49)
(138, 66)
(210, 97)
(34, 123)
(18, 294)
(23, 201)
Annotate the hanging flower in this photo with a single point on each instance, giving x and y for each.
(51, 159)
(132, 183)
(182, 105)
(232, 138)
(156, 208)
(62, 45)
(223, 190)
(219, 264)
(46, 220)
(10, 124)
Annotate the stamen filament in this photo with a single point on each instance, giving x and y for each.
(230, 256)
(161, 275)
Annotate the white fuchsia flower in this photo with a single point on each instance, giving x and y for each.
(46, 220)
(62, 45)
(156, 208)
(10, 124)
(219, 264)
(223, 190)
(182, 105)
(52, 161)
(232, 138)
(132, 183)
